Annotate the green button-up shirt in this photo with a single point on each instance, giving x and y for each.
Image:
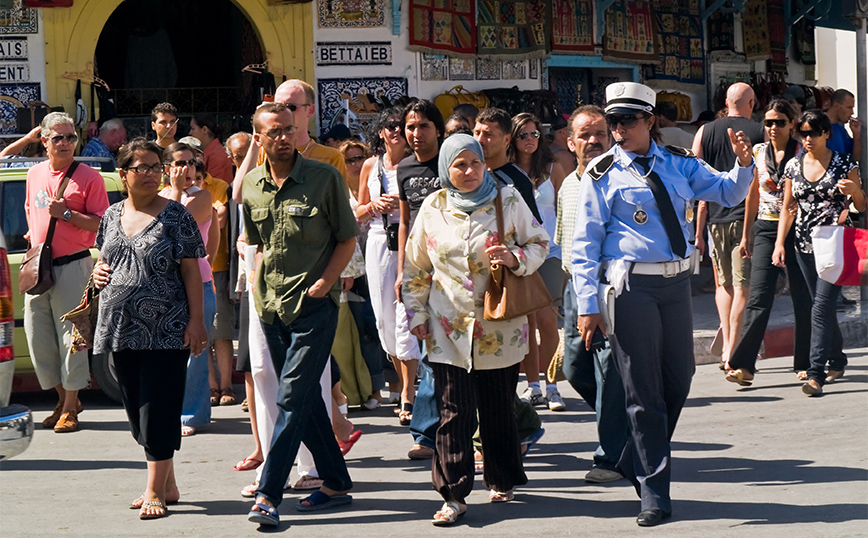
(297, 226)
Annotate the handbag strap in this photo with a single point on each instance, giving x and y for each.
(69, 171)
(498, 209)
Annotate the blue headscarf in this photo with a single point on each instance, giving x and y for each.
(478, 198)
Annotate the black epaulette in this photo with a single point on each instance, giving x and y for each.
(681, 152)
(601, 167)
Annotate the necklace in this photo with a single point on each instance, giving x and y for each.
(306, 147)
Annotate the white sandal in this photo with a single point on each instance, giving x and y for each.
(450, 512)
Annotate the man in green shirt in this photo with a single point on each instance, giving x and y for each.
(296, 212)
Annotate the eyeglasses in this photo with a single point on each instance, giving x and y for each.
(392, 125)
(777, 123)
(143, 169)
(60, 138)
(293, 107)
(276, 133)
(188, 162)
(627, 120)
(533, 134)
(354, 160)
(811, 133)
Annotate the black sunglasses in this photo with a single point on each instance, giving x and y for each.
(533, 134)
(778, 123)
(627, 120)
(189, 162)
(68, 137)
(353, 160)
(812, 133)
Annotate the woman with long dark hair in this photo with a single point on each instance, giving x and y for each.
(823, 183)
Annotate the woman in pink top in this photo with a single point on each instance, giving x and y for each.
(217, 163)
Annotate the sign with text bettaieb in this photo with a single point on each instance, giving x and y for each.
(354, 53)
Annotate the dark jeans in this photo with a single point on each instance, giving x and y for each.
(763, 280)
(299, 352)
(369, 339)
(826, 341)
(596, 374)
(426, 416)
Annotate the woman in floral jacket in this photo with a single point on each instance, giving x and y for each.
(447, 265)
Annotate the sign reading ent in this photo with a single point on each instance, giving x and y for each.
(368, 53)
(17, 72)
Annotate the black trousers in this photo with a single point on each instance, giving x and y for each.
(653, 346)
(763, 279)
(462, 393)
(152, 391)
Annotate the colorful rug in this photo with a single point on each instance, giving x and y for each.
(721, 32)
(351, 13)
(438, 26)
(679, 41)
(755, 25)
(515, 28)
(629, 32)
(573, 26)
(777, 36)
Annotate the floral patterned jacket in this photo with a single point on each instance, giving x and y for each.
(446, 272)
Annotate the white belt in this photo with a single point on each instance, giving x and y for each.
(666, 269)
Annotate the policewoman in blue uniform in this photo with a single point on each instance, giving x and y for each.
(634, 219)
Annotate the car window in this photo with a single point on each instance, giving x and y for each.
(14, 218)
(115, 197)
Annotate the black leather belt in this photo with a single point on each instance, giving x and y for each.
(63, 260)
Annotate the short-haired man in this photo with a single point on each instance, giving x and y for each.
(77, 212)
(726, 224)
(670, 133)
(164, 122)
(297, 213)
(589, 138)
(840, 113)
(493, 131)
(112, 135)
(559, 143)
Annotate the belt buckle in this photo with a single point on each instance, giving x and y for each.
(666, 269)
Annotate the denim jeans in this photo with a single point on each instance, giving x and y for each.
(426, 415)
(300, 352)
(826, 341)
(197, 391)
(763, 281)
(369, 340)
(596, 374)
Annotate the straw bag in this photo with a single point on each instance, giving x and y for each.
(83, 318)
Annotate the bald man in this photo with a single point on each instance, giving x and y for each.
(726, 224)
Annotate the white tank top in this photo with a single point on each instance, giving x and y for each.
(387, 186)
(545, 203)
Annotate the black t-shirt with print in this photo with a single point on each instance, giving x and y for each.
(416, 181)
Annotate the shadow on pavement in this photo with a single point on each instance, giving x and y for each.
(69, 465)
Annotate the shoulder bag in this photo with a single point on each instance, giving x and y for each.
(510, 296)
(36, 275)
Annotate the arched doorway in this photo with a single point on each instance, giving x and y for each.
(186, 52)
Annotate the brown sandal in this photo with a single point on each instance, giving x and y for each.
(227, 397)
(215, 397)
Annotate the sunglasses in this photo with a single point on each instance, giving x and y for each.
(189, 162)
(392, 125)
(143, 169)
(533, 134)
(777, 123)
(627, 120)
(811, 133)
(276, 133)
(292, 107)
(354, 160)
(68, 137)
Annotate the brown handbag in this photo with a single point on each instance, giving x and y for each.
(36, 275)
(510, 296)
(83, 318)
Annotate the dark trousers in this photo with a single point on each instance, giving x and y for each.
(463, 393)
(653, 347)
(763, 280)
(152, 391)
(369, 339)
(300, 351)
(827, 345)
(601, 381)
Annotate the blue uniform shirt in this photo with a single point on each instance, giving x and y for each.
(605, 226)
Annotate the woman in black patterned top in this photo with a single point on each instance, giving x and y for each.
(150, 312)
(823, 183)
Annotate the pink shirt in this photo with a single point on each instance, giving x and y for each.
(204, 228)
(85, 193)
(217, 163)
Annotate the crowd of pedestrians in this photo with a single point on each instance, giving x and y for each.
(353, 272)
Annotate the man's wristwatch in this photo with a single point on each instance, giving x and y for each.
(67, 215)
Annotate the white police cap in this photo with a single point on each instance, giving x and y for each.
(629, 97)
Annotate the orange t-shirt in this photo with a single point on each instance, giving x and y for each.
(217, 163)
(219, 190)
(85, 193)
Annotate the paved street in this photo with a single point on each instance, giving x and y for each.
(760, 461)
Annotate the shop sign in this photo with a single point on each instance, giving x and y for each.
(14, 72)
(13, 48)
(357, 53)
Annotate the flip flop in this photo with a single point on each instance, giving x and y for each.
(451, 512)
(320, 501)
(501, 496)
(307, 483)
(247, 464)
(348, 444)
(737, 376)
(188, 431)
(137, 504)
(143, 514)
(266, 515)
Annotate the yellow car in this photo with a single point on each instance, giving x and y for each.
(14, 225)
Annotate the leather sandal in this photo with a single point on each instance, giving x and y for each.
(739, 376)
(406, 414)
(501, 496)
(215, 397)
(448, 514)
(227, 396)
